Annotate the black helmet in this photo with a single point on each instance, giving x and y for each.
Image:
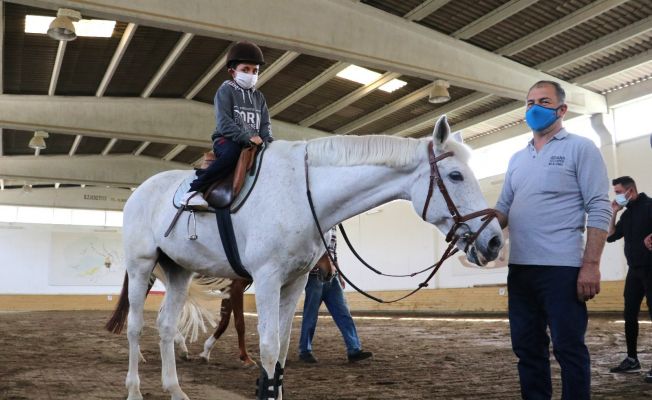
(244, 51)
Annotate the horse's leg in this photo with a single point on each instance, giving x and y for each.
(180, 341)
(237, 294)
(225, 316)
(268, 293)
(290, 294)
(138, 278)
(168, 319)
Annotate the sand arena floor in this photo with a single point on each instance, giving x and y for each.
(67, 355)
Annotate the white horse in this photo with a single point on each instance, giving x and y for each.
(276, 234)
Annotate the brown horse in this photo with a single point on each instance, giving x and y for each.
(233, 304)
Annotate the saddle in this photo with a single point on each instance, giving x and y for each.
(222, 196)
(221, 193)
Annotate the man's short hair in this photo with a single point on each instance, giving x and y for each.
(561, 94)
(624, 181)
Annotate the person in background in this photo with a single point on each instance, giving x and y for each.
(329, 292)
(635, 226)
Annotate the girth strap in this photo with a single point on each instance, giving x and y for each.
(227, 236)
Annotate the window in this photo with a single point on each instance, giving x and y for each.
(633, 120)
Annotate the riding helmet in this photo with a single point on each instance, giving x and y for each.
(246, 52)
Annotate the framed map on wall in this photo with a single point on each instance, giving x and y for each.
(86, 258)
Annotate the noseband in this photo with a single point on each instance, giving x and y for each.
(459, 220)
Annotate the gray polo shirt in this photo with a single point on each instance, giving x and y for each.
(550, 196)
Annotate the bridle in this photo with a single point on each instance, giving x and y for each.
(452, 237)
(459, 220)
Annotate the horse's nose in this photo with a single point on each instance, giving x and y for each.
(495, 243)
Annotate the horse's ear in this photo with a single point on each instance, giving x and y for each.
(457, 136)
(441, 132)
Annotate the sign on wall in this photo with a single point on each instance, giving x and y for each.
(84, 258)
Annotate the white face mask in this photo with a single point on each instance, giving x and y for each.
(244, 80)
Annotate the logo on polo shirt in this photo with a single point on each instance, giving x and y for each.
(557, 160)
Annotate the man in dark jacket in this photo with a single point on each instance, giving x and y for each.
(635, 225)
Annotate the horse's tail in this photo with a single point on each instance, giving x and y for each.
(195, 316)
(117, 321)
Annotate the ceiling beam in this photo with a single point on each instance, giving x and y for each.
(342, 30)
(385, 110)
(141, 148)
(633, 92)
(96, 198)
(56, 69)
(424, 9)
(308, 88)
(428, 119)
(109, 146)
(349, 99)
(571, 20)
(605, 42)
(117, 57)
(276, 67)
(75, 145)
(112, 170)
(174, 121)
(615, 68)
(488, 116)
(174, 152)
(167, 64)
(209, 74)
(488, 20)
(2, 152)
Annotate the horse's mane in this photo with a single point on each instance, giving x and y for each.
(365, 150)
(374, 150)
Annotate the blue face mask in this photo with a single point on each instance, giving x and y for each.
(539, 118)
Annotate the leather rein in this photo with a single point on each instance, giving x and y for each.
(452, 237)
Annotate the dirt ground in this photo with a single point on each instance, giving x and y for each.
(67, 355)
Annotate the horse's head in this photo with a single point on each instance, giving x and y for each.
(455, 198)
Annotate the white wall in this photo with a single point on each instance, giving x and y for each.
(59, 259)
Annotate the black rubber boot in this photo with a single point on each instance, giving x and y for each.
(266, 389)
(278, 378)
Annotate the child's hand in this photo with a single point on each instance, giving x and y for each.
(256, 140)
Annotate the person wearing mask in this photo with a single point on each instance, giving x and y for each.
(635, 226)
(555, 189)
(242, 119)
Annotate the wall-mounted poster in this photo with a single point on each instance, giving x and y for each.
(86, 258)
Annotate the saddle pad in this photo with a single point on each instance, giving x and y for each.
(239, 200)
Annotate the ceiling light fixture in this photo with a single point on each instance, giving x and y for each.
(439, 92)
(38, 140)
(61, 28)
(86, 27)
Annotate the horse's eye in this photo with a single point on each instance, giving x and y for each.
(456, 176)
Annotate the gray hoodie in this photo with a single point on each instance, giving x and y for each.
(240, 114)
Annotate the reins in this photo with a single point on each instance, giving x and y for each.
(451, 238)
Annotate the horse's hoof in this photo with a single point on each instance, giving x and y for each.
(249, 363)
(185, 356)
(203, 359)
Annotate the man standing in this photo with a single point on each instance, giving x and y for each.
(550, 188)
(635, 225)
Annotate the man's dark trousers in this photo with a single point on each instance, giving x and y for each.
(540, 297)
